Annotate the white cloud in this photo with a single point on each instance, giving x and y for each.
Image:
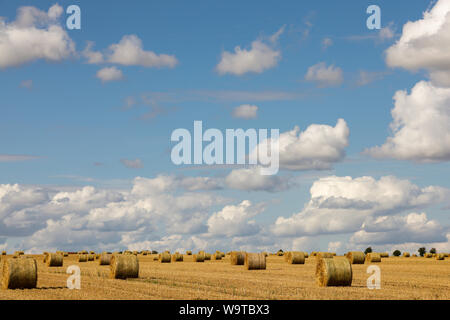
(316, 148)
(109, 74)
(420, 126)
(34, 35)
(425, 44)
(413, 227)
(93, 57)
(233, 220)
(260, 57)
(343, 204)
(129, 52)
(252, 180)
(324, 76)
(245, 111)
(134, 164)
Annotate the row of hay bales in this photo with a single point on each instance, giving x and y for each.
(251, 261)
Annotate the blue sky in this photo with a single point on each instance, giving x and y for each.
(76, 130)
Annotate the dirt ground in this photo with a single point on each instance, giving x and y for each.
(401, 278)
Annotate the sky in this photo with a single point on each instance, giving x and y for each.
(86, 117)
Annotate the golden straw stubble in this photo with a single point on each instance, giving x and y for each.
(124, 266)
(20, 273)
(356, 257)
(255, 261)
(237, 258)
(334, 272)
(55, 260)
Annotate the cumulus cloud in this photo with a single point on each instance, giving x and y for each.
(425, 44)
(414, 227)
(234, 220)
(109, 74)
(34, 35)
(420, 126)
(134, 164)
(245, 111)
(324, 76)
(316, 148)
(252, 180)
(129, 52)
(342, 204)
(260, 57)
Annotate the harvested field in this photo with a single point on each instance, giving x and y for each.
(401, 278)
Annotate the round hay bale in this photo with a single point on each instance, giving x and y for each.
(19, 273)
(280, 253)
(414, 256)
(82, 257)
(207, 256)
(313, 254)
(445, 255)
(373, 257)
(55, 260)
(356, 257)
(306, 254)
(124, 266)
(200, 257)
(440, 256)
(334, 272)
(3, 253)
(90, 257)
(135, 253)
(237, 258)
(91, 252)
(384, 255)
(155, 258)
(321, 255)
(65, 254)
(177, 257)
(164, 257)
(296, 258)
(189, 253)
(255, 261)
(18, 254)
(406, 254)
(105, 259)
(45, 256)
(428, 255)
(216, 256)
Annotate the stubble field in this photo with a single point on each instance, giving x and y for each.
(401, 278)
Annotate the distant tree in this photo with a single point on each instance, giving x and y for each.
(396, 253)
(280, 250)
(368, 250)
(422, 251)
(154, 252)
(433, 250)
